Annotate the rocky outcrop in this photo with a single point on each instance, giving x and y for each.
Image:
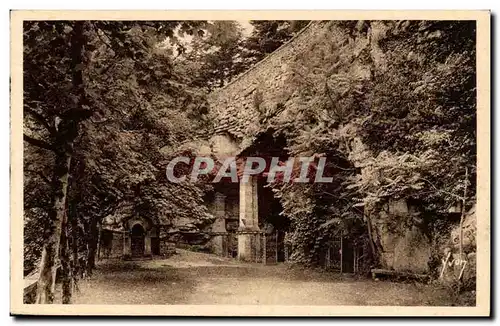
(412, 252)
(403, 246)
(455, 267)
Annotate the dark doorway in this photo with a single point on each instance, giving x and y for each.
(273, 222)
(137, 242)
(155, 246)
(347, 256)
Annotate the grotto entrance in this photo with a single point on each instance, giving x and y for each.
(248, 222)
(271, 223)
(137, 240)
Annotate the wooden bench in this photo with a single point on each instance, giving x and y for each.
(398, 274)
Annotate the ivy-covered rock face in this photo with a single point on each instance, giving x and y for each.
(393, 102)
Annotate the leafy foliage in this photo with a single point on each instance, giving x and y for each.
(268, 35)
(392, 107)
(222, 51)
(123, 101)
(390, 104)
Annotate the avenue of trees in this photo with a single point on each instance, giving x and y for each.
(106, 105)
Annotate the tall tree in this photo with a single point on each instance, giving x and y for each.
(60, 89)
(61, 127)
(268, 35)
(216, 56)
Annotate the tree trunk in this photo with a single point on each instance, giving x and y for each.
(370, 237)
(94, 237)
(74, 238)
(66, 271)
(52, 234)
(67, 131)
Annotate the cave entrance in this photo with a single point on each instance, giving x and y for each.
(271, 221)
(137, 240)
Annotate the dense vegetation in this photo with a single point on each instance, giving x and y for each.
(392, 105)
(107, 104)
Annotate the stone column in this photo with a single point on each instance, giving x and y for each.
(249, 221)
(127, 250)
(219, 225)
(147, 244)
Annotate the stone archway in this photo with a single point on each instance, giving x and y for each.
(137, 238)
(137, 241)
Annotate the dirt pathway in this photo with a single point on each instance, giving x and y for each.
(196, 278)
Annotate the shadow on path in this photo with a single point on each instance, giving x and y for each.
(195, 278)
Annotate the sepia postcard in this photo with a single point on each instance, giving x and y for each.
(250, 163)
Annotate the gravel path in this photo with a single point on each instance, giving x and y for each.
(197, 278)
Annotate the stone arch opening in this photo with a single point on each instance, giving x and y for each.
(138, 235)
(260, 210)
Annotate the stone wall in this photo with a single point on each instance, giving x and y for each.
(238, 106)
(266, 91)
(232, 211)
(111, 244)
(167, 248)
(117, 246)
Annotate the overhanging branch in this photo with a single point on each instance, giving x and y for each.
(40, 118)
(38, 143)
(40, 174)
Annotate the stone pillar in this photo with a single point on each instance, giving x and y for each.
(147, 244)
(219, 225)
(249, 221)
(127, 250)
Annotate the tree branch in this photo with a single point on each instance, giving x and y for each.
(38, 143)
(462, 216)
(445, 192)
(40, 174)
(40, 118)
(332, 102)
